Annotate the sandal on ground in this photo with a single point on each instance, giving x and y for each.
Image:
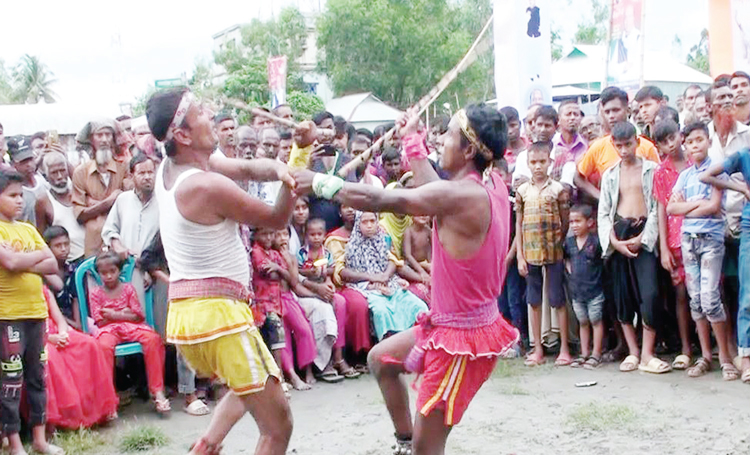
(348, 373)
(532, 362)
(592, 363)
(701, 367)
(362, 369)
(746, 376)
(402, 447)
(563, 362)
(629, 364)
(578, 363)
(331, 377)
(197, 408)
(682, 362)
(655, 366)
(162, 406)
(729, 372)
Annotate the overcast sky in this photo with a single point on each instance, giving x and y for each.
(103, 55)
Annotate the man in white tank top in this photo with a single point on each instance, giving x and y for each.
(55, 208)
(209, 318)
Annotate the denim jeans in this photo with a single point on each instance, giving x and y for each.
(512, 301)
(185, 376)
(743, 312)
(703, 257)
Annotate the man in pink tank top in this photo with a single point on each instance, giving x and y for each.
(456, 346)
(209, 317)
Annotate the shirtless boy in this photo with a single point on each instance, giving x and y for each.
(418, 247)
(628, 230)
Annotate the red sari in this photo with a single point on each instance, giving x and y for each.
(80, 389)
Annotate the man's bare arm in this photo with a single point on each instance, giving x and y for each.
(231, 202)
(259, 170)
(20, 261)
(587, 187)
(437, 198)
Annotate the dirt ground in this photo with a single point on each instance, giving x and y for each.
(519, 411)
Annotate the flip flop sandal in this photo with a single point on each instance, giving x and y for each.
(331, 378)
(349, 373)
(51, 450)
(531, 362)
(729, 372)
(629, 364)
(592, 363)
(746, 376)
(682, 362)
(402, 447)
(563, 362)
(363, 369)
(578, 363)
(162, 406)
(197, 408)
(655, 366)
(700, 368)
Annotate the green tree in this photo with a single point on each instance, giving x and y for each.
(698, 55)
(594, 31)
(33, 81)
(556, 46)
(6, 88)
(398, 50)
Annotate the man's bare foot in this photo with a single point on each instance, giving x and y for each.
(47, 449)
(299, 384)
(563, 360)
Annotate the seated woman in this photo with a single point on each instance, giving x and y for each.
(357, 321)
(80, 389)
(370, 269)
(118, 315)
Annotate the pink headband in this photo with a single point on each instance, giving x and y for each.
(180, 113)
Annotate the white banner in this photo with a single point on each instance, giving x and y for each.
(523, 57)
(277, 80)
(741, 34)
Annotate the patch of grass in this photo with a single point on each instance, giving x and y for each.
(80, 441)
(597, 416)
(143, 438)
(509, 368)
(513, 389)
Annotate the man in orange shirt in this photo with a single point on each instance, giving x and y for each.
(602, 154)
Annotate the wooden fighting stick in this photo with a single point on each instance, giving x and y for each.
(255, 111)
(423, 103)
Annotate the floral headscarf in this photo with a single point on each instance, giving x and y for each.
(369, 255)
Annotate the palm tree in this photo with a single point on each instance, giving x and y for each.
(33, 81)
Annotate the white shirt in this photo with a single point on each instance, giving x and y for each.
(522, 169)
(133, 223)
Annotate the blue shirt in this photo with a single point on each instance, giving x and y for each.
(740, 162)
(694, 190)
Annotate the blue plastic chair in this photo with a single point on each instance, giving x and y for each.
(88, 268)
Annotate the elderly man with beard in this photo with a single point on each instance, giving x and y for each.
(55, 208)
(97, 183)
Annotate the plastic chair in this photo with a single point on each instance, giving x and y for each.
(88, 268)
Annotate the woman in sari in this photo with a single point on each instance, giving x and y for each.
(80, 389)
(371, 270)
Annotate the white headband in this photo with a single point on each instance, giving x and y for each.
(180, 113)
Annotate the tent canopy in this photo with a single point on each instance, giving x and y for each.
(363, 110)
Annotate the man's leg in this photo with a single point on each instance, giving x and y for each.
(12, 346)
(153, 357)
(34, 359)
(534, 287)
(646, 273)
(389, 379)
(271, 412)
(556, 288)
(431, 433)
(743, 312)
